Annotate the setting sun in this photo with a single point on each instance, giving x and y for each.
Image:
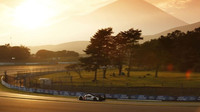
(31, 14)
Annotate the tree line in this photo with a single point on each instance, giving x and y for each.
(178, 51)
(8, 53)
(53, 54)
(21, 53)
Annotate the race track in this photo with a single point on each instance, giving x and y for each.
(12, 102)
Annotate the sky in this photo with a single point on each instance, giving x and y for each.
(22, 16)
(186, 10)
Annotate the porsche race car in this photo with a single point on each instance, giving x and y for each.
(92, 97)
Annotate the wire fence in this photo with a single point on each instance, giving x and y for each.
(34, 79)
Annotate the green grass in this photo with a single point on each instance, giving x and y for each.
(136, 79)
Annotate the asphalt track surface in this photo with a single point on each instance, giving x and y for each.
(12, 102)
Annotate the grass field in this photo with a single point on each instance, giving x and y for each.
(137, 79)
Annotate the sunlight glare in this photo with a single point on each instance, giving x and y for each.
(31, 14)
(188, 74)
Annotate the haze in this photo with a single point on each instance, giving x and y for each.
(42, 22)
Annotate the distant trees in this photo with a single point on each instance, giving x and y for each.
(5, 52)
(186, 51)
(51, 54)
(44, 54)
(176, 51)
(17, 53)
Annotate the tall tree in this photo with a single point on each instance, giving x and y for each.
(98, 51)
(130, 39)
(118, 52)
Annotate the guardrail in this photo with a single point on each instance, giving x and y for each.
(108, 96)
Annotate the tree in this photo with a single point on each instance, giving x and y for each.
(118, 52)
(19, 52)
(97, 51)
(153, 55)
(71, 54)
(5, 52)
(160, 52)
(186, 48)
(178, 50)
(76, 68)
(90, 64)
(125, 42)
(45, 54)
(132, 38)
(56, 54)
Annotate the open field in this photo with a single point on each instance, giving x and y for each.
(137, 79)
(167, 83)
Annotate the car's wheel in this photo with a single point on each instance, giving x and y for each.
(80, 98)
(94, 99)
(100, 99)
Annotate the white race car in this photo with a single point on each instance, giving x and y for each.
(92, 97)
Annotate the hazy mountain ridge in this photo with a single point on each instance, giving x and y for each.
(125, 14)
(77, 46)
(184, 28)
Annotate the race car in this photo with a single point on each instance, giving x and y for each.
(92, 97)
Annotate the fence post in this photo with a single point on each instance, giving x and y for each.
(127, 84)
(71, 78)
(6, 76)
(162, 84)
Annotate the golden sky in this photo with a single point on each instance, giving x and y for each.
(187, 10)
(22, 16)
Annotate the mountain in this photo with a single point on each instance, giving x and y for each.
(184, 28)
(125, 14)
(121, 15)
(77, 46)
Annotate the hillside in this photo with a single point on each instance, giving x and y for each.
(184, 28)
(125, 14)
(77, 46)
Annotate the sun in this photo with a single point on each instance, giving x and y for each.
(31, 14)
